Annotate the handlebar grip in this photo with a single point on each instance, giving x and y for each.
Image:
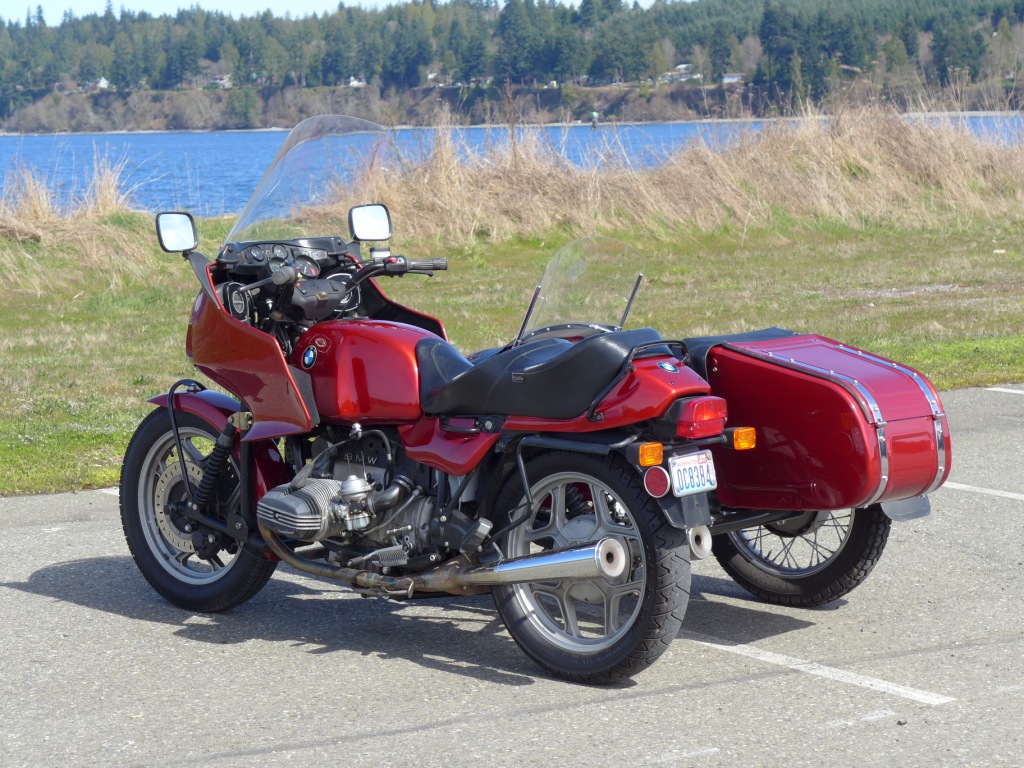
(284, 275)
(433, 265)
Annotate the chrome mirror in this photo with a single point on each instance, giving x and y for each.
(370, 222)
(177, 232)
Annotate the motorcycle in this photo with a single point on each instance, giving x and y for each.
(564, 472)
(572, 473)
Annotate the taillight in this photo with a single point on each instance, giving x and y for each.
(702, 417)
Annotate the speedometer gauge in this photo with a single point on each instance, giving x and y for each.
(307, 267)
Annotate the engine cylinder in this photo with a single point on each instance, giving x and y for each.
(304, 512)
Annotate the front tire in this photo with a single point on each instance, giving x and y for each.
(593, 631)
(807, 560)
(208, 581)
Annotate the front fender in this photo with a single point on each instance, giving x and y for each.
(209, 406)
(269, 469)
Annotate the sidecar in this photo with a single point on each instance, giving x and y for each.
(847, 441)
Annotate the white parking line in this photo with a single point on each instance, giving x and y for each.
(986, 491)
(811, 668)
(1007, 391)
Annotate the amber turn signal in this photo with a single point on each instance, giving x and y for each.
(744, 438)
(651, 454)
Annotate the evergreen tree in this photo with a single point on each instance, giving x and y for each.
(957, 50)
(719, 49)
(519, 44)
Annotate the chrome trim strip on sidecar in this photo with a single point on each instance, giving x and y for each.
(937, 413)
(883, 455)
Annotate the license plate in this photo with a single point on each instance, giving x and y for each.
(692, 473)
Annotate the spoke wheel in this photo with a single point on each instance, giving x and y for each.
(811, 558)
(218, 574)
(595, 630)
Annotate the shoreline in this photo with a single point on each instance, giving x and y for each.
(611, 123)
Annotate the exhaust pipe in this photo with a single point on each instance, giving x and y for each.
(604, 559)
(700, 542)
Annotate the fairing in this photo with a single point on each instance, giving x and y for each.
(249, 364)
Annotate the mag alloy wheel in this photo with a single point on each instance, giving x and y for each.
(596, 630)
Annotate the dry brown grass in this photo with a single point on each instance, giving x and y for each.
(866, 165)
(28, 205)
(92, 225)
(858, 166)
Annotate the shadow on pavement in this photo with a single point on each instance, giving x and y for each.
(473, 642)
(461, 635)
(734, 623)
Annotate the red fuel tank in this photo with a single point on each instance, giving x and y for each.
(362, 370)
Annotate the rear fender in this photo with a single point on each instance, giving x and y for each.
(269, 468)
(687, 512)
(907, 509)
(684, 513)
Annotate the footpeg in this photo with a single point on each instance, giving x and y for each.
(386, 557)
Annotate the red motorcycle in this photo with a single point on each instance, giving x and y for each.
(570, 472)
(562, 472)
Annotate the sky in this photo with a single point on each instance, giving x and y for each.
(53, 10)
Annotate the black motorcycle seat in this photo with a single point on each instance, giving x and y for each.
(549, 378)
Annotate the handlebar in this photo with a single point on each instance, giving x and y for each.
(400, 265)
(429, 265)
(284, 275)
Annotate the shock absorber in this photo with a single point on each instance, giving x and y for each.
(213, 467)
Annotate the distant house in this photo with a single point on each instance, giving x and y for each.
(732, 79)
(103, 84)
(680, 74)
(355, 82)
(222, 81)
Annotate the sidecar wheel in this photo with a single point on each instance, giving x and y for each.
(159, 542)
(593, 631)
(807, 560)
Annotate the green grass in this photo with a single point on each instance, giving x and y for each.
(82, 348)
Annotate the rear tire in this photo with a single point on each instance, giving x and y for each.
(593, 631)
(159, 542)
(808, 560)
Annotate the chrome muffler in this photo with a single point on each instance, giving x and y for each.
(604, 559)
(700, 542)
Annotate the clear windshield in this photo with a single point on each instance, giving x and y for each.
(320, 156)
(589, 282)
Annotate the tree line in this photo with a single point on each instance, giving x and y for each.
(787, 50)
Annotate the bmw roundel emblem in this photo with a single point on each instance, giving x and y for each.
(309, 357)
(668, 367)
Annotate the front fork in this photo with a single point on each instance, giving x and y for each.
(239, 524)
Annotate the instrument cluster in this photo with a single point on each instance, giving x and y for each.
(307, 261)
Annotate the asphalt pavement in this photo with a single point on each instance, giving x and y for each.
(923, 665)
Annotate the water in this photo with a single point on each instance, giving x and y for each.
(214, 173)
